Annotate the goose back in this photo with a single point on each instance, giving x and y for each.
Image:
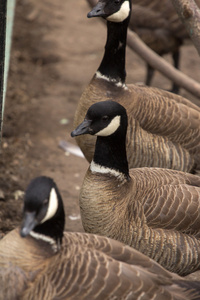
(87, 267)
(155, 15)
(156, 207)
(160, 27)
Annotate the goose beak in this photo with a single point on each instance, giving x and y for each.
(29, 222)
(83, 128)
(97, 11)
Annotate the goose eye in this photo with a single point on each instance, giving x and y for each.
(105, 118)
(45, 201)
(117, 1)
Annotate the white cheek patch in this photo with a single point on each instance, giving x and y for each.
(120, 15)
(111, 128)
(53, 206)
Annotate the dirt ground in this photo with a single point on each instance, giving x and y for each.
(55, 52)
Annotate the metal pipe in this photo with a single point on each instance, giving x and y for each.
(3, 13)
(7, 9)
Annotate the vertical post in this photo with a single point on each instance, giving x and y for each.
(3, 13)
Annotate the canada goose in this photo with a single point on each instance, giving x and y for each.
(164, 128)
(159, 26)
(84, 267)
(154, 210)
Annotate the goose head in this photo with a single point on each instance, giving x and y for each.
(111, 10)
(108, 121)
(43, 212)
(103, 119)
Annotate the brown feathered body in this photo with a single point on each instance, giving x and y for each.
(163, 128)
(86, 267)
(158, 25)
(156, 211)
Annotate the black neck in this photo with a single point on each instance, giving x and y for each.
(54, 227)
(110, 152)
(113, 62)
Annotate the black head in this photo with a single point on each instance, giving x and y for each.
(112, 10)
(43, 209)
(103, 119)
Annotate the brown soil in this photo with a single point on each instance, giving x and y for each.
(55, 52)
